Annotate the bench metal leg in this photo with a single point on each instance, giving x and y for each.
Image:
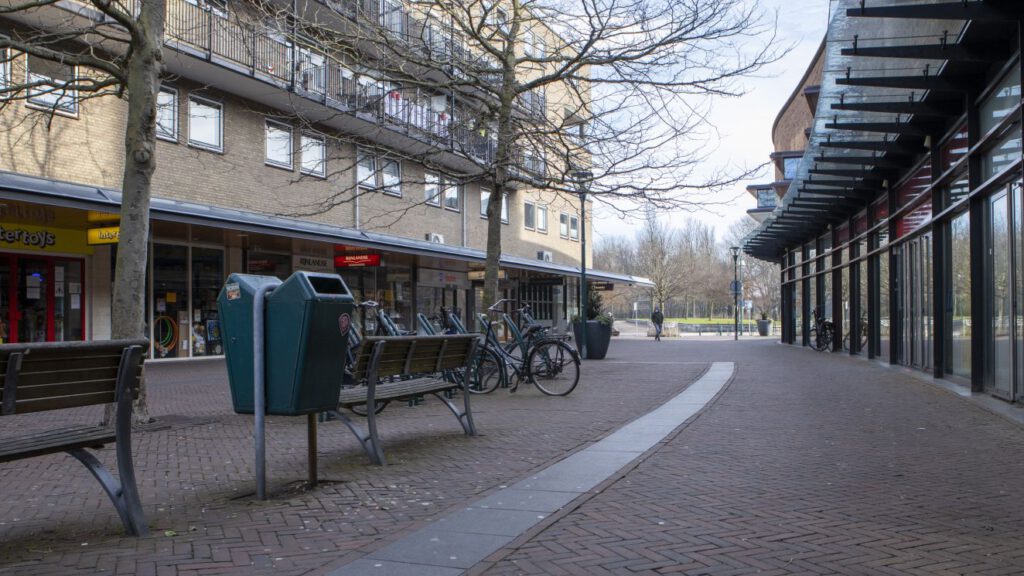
(367, 439)
(123, 494)
(465, 417)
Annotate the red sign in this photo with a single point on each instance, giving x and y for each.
(356, 260)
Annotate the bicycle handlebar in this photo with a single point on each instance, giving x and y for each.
(497, 306)
(369, 304)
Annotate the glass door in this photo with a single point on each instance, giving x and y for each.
(6, 295)
(33, 300)
(999, 299)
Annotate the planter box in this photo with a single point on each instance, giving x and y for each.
(599, 337)
(764, 327)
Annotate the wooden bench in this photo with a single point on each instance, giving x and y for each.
(58, 375)
(401, 368)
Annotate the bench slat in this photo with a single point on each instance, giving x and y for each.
(395, 390)
(55, 441)
(61, 402)
(58, 374)
(65, 389)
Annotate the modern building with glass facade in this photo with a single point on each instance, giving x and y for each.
(904, 221)
(251, 141)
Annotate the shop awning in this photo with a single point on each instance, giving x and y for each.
(41, 190)
(895, 75)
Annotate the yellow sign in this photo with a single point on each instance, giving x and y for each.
(107, 235)
(94, 216)
(43, 239)
(477, 275)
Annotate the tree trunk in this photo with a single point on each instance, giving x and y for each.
(142, 83)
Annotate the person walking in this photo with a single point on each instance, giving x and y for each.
(657, 318)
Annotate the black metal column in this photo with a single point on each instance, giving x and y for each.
(941, 264)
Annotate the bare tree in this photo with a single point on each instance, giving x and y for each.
(607, 97)
(761, 282)
(99, 48)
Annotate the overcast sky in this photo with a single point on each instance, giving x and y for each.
(744, 124)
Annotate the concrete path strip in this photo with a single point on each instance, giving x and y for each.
(456, 542)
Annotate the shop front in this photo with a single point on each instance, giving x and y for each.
(43, 252)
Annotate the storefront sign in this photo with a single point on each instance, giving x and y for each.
(97, 217)
(312, 264)
(42, 238)
(441, 278)
(356, 260)
(108, 235)
(478, 275)
(546, 281)
(602, 286)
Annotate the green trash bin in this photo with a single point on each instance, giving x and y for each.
(234, 305)
(307, 321)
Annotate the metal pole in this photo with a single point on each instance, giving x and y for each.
(583, 271)
(735, 296)
(258, 390)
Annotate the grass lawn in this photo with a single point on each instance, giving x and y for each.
(728, 321)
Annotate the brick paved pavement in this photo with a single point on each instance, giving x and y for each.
(805, 464)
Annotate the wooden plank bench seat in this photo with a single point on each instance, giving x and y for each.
(52, 376)
(404, 367)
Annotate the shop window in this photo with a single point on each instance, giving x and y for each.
(49, 83)
(574, 228)
(170, 325)
(451, 194)
(207, 277)
(205, 124)
(278, 145)
(432, 188)
(960, 336)
(167, 114)
(529, 215)
(314, 155)
(1003, 99)
(269, 264)
(366, 169)
(563, 225)
(391, 177)
(542, 219)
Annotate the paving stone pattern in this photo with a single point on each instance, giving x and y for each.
(195, 474)
(807, 464)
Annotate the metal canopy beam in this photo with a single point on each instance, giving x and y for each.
(839, 193)
(922, 82)
(863, 184)
(877, 145)
(957, 52)
(940, 11)
(939, 108)
(886, 127)
(881, 162)
(838, 172)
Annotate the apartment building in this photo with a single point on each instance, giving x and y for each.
(273, 155)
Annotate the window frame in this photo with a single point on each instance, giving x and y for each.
(175, 116)
(563, 219)
(542, 210)
(483, 203)
(60, 109)
(391, 189)
(434, 200)
(451, 184)
(369, 182)
(311, 136)
(6, 69)
(574, 220)
(202, 100)
(276, 125)
(529, 208)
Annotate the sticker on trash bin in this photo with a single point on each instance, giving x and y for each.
(232, 291)
(344, 323)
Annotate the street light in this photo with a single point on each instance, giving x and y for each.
(735, 292)
(582, 178)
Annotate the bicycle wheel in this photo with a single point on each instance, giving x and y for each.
(846, 342)
(554, 367)
(487, 372)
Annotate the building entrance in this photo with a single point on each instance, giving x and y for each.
(41, 299)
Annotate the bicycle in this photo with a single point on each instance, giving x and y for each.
(486, 373)
(863, 336)
(822, 333)
(548, 363)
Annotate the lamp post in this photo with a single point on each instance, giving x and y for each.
(735, 292)
(582, 178)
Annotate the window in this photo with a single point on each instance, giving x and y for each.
(391, 177)
(504, 208)
(766, 198)
(205, 123)
(432, 188)
(5, 69)
(314, 155)
(563, 225)
(167, 114)
(218, 7)
(542, 219)
(366, 169)
(529, 216)
(279, 145)
(51, 80)
(574, 228)
(789, 167)
(485, 198)
(451, 194)
(539, 47)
